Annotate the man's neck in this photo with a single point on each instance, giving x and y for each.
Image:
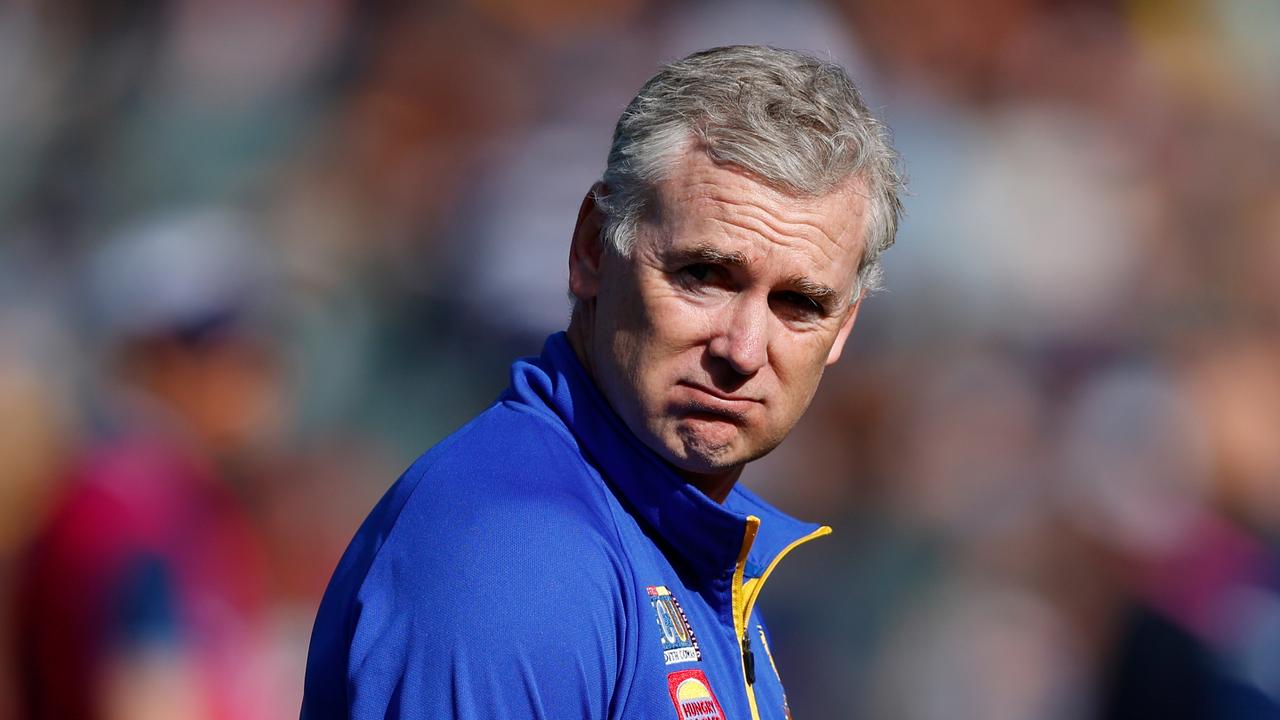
(717, 486)
(580, 343)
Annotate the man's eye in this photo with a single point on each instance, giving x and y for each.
(798, 304)
(698, 272)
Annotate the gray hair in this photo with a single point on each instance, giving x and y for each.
(794, 121)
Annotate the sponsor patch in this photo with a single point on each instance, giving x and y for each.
(692, 695)
(678, 641)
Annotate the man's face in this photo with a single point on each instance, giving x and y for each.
(710, 339)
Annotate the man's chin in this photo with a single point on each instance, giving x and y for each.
(708, 447)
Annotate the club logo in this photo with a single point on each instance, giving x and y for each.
(692, 695)
(678, 642)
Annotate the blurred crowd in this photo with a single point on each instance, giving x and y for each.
(254, 257)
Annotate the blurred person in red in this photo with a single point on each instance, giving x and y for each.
(142, 595)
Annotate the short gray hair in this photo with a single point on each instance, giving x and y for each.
(794, 121)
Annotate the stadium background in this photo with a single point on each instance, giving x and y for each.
(1057, 429)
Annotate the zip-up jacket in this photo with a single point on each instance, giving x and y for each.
(541, 562)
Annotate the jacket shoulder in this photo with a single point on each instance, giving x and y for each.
(504, 563)
(507, 463)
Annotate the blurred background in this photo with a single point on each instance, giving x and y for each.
(255, 257)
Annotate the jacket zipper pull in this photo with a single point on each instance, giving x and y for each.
(748, 659)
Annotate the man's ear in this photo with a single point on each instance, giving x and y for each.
(587, 248)
(847, 325)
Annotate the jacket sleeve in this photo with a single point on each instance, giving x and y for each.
(490, 614)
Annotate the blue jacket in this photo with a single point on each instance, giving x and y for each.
(542, 563)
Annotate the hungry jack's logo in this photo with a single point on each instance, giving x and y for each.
(678, 641)
(692, 695)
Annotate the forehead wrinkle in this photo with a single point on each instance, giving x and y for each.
(773, 235)
(804, 222)
(732, 198)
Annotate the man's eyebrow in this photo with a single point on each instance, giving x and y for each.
(709, 254)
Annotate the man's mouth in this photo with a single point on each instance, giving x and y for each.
(700, 400)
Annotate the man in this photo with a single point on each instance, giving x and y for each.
(581, 549)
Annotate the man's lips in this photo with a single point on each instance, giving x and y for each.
(706, 399)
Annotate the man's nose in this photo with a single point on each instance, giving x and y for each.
(741, 339)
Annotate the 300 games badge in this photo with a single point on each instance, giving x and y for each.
(678, 641)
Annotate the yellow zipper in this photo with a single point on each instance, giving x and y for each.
(744, 599)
